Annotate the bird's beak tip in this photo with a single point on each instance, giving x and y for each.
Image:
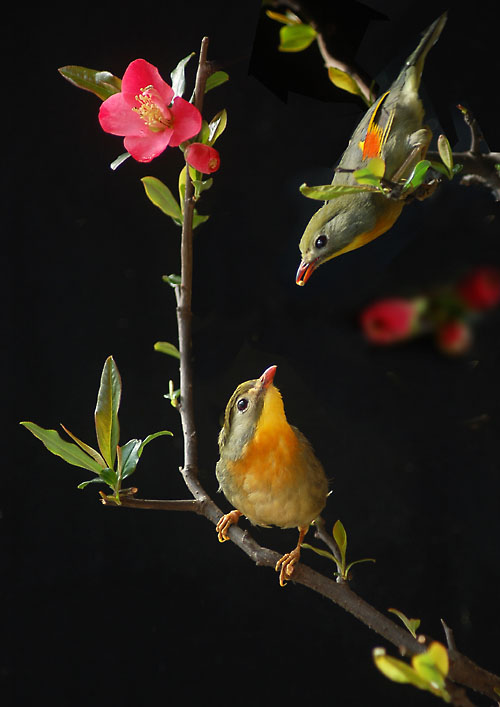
(268, 376)
(304, 272)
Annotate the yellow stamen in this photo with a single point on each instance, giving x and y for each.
(150, 112)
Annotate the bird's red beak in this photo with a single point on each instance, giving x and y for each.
(267, 377)
(305, 271)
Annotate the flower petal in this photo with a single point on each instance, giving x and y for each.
(146, 148)
(187, 121)
(117, 117)
(140, 74)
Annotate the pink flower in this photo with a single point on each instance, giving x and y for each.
(390, 320)
(480, 289)
(454, 337)
(147, 114)
(202, 157)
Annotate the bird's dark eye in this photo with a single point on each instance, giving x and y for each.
(321, 241)
(242, 404)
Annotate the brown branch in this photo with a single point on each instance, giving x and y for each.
(183, 293)
(477, 167)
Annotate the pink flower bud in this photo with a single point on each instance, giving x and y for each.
(202, 157)
(454, 337)
(480, 289)
(390, 320)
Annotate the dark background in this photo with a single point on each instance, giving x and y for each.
(106, 606)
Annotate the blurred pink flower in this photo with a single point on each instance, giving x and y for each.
(454, 337)
(147, 114)
(390, 320)
(480, 289)
(202, 157)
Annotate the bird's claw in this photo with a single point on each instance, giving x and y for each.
(286, 565)
(225, 523)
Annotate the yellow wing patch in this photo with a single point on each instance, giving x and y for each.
(377, 133)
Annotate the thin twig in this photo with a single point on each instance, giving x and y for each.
(183, 294)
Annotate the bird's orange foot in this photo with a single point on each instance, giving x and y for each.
(225, 523)
(286, 565)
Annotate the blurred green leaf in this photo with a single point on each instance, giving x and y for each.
(345, 81)
(86, 448)
(296, 38)
(411, 624)
(326, 192)
(433, 665)
(397, 670)
(101, 83)
(217, 126)
(173, 395)
(153, 436)
(167, 348)
(106, 411)
(161, 196)
(216, 79)
(71, 453)
(445, 152)
(178, 76)
(290, 18)
(172, 280)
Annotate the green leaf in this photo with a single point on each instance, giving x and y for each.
(97, 480)
(161, 196)
(418, 175)
(167, 348)
(445, 153)
(86, 448)
(343, 80)
(150, 437)
(173, 395)
(297, 37)
(172, 280)
(340, 537)
(101, 83)
(366, 176)
(201, 186)
(411, 624)
(325, 192)
(217, 126)
(357, 562)
(66, 450)
(106, 412)
(216, 79)
(109, 477)
(319, 551)
(130, 457)
(178, 76)
(198, 219)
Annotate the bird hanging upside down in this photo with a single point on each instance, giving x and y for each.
(267, 468)
(391, 129)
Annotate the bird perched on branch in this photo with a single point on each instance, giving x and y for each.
(267, 468)
(391, 129)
